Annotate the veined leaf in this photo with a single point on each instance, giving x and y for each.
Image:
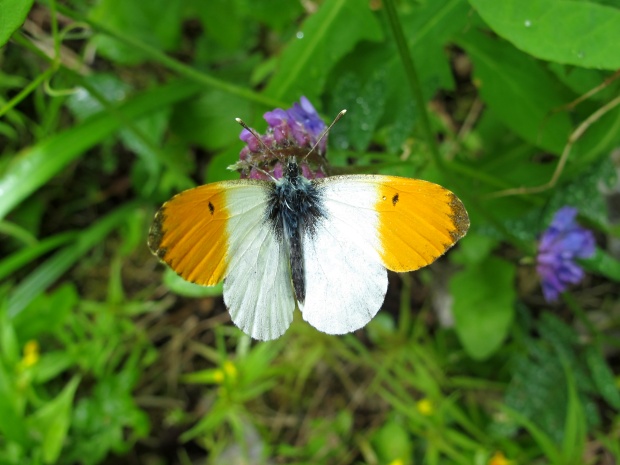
(571, 32)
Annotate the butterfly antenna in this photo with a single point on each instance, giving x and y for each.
(260, 141)
(325, 131)
(255, 134)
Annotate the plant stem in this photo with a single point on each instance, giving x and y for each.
(413, 80)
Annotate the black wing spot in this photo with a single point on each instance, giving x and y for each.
(395, 199)
(211, 208)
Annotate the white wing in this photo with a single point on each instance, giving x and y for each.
(345, 280)
(257, 290)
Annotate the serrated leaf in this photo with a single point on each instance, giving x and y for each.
(324, 38)
(484, 299)
(14, 13)
(570, 32)
(519, 90)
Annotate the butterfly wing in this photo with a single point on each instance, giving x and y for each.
(219, 231)
(344, 276)
(372, 223)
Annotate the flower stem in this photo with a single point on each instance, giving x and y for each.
(413, 80)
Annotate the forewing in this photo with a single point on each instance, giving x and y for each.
(417, 221)
(190, 232)
(218, 231)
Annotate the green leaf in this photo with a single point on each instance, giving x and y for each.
(227, 35)
(55, 266)
(28, 254)
(540, 437)
(46, 313)
(578, 33)
(209, 120)
(141, 20)
(604, 264)
(582, 80)
(519, 91)
(473, 249)
(12, 425)
(392, 443)
(36, 165)
(52, 421)
(484, 298)
(364, 104)
(428, 28)
(217, 170)
(13, 15)
(82, 104)
(179, 286)
(603, 377)
(323, 39)
(575, 426)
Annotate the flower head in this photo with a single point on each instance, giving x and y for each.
(291, 133)
(559, 247)
(31, 354)
(500, 459)
(425, 406)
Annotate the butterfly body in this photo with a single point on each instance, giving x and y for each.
(294, 208)
(322, 244)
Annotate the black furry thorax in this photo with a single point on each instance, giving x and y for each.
(294, 210)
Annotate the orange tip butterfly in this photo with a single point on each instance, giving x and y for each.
(322, 245)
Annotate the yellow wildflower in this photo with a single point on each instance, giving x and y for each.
(500, 459)
(425, 406)
(230, 369)
(218, 376)
(31, 354)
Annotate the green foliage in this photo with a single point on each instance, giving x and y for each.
(484, 299)
(14, 13)
(109, 108)
(572, 32)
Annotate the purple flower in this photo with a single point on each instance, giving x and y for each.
(562, 243)
(291, 133)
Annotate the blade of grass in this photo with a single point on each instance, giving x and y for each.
(46, 274)
(20, 258)
(574, 441)
(413, 80)
(36, 165)
(544, 442)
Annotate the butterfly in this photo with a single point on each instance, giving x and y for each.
(322, 245)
